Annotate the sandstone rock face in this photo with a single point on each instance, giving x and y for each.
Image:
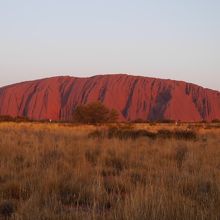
(134, 97)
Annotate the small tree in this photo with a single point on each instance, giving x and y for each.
(113, 116)
(94, 113)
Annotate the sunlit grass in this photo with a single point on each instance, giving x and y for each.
(58, 171)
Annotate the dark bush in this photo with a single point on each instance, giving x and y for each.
(203, 191)
(216, 121)
(94, 113)
(116, 163)
(178, 134)
(138, 178)
(68, 194)
(106, 172)
(132, 134)
(75, 193)
(166, 121)
(49, 157)
(7, 208)
(115, 187)
(97, 134)
(185, 134)
(180, 155)
(126, 133)
(92, 155)
(21, 119)
(11, 191)
(165, 133)
(139, 120)
(6, 118)
(203, 122)
(9, 118)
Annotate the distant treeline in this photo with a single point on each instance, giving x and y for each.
(14, 119)
(170, 121)
(8, 118)
(92, 113)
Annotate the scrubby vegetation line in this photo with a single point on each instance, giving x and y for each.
(121, 133)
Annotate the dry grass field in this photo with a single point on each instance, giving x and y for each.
(141, 171)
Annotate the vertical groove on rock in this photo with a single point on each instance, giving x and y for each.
(129, 100)
(102, 92)
(29, 99)
(157, 112)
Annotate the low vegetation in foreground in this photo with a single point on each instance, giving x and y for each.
(120, 171)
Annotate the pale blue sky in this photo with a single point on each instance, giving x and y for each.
(176, 39)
